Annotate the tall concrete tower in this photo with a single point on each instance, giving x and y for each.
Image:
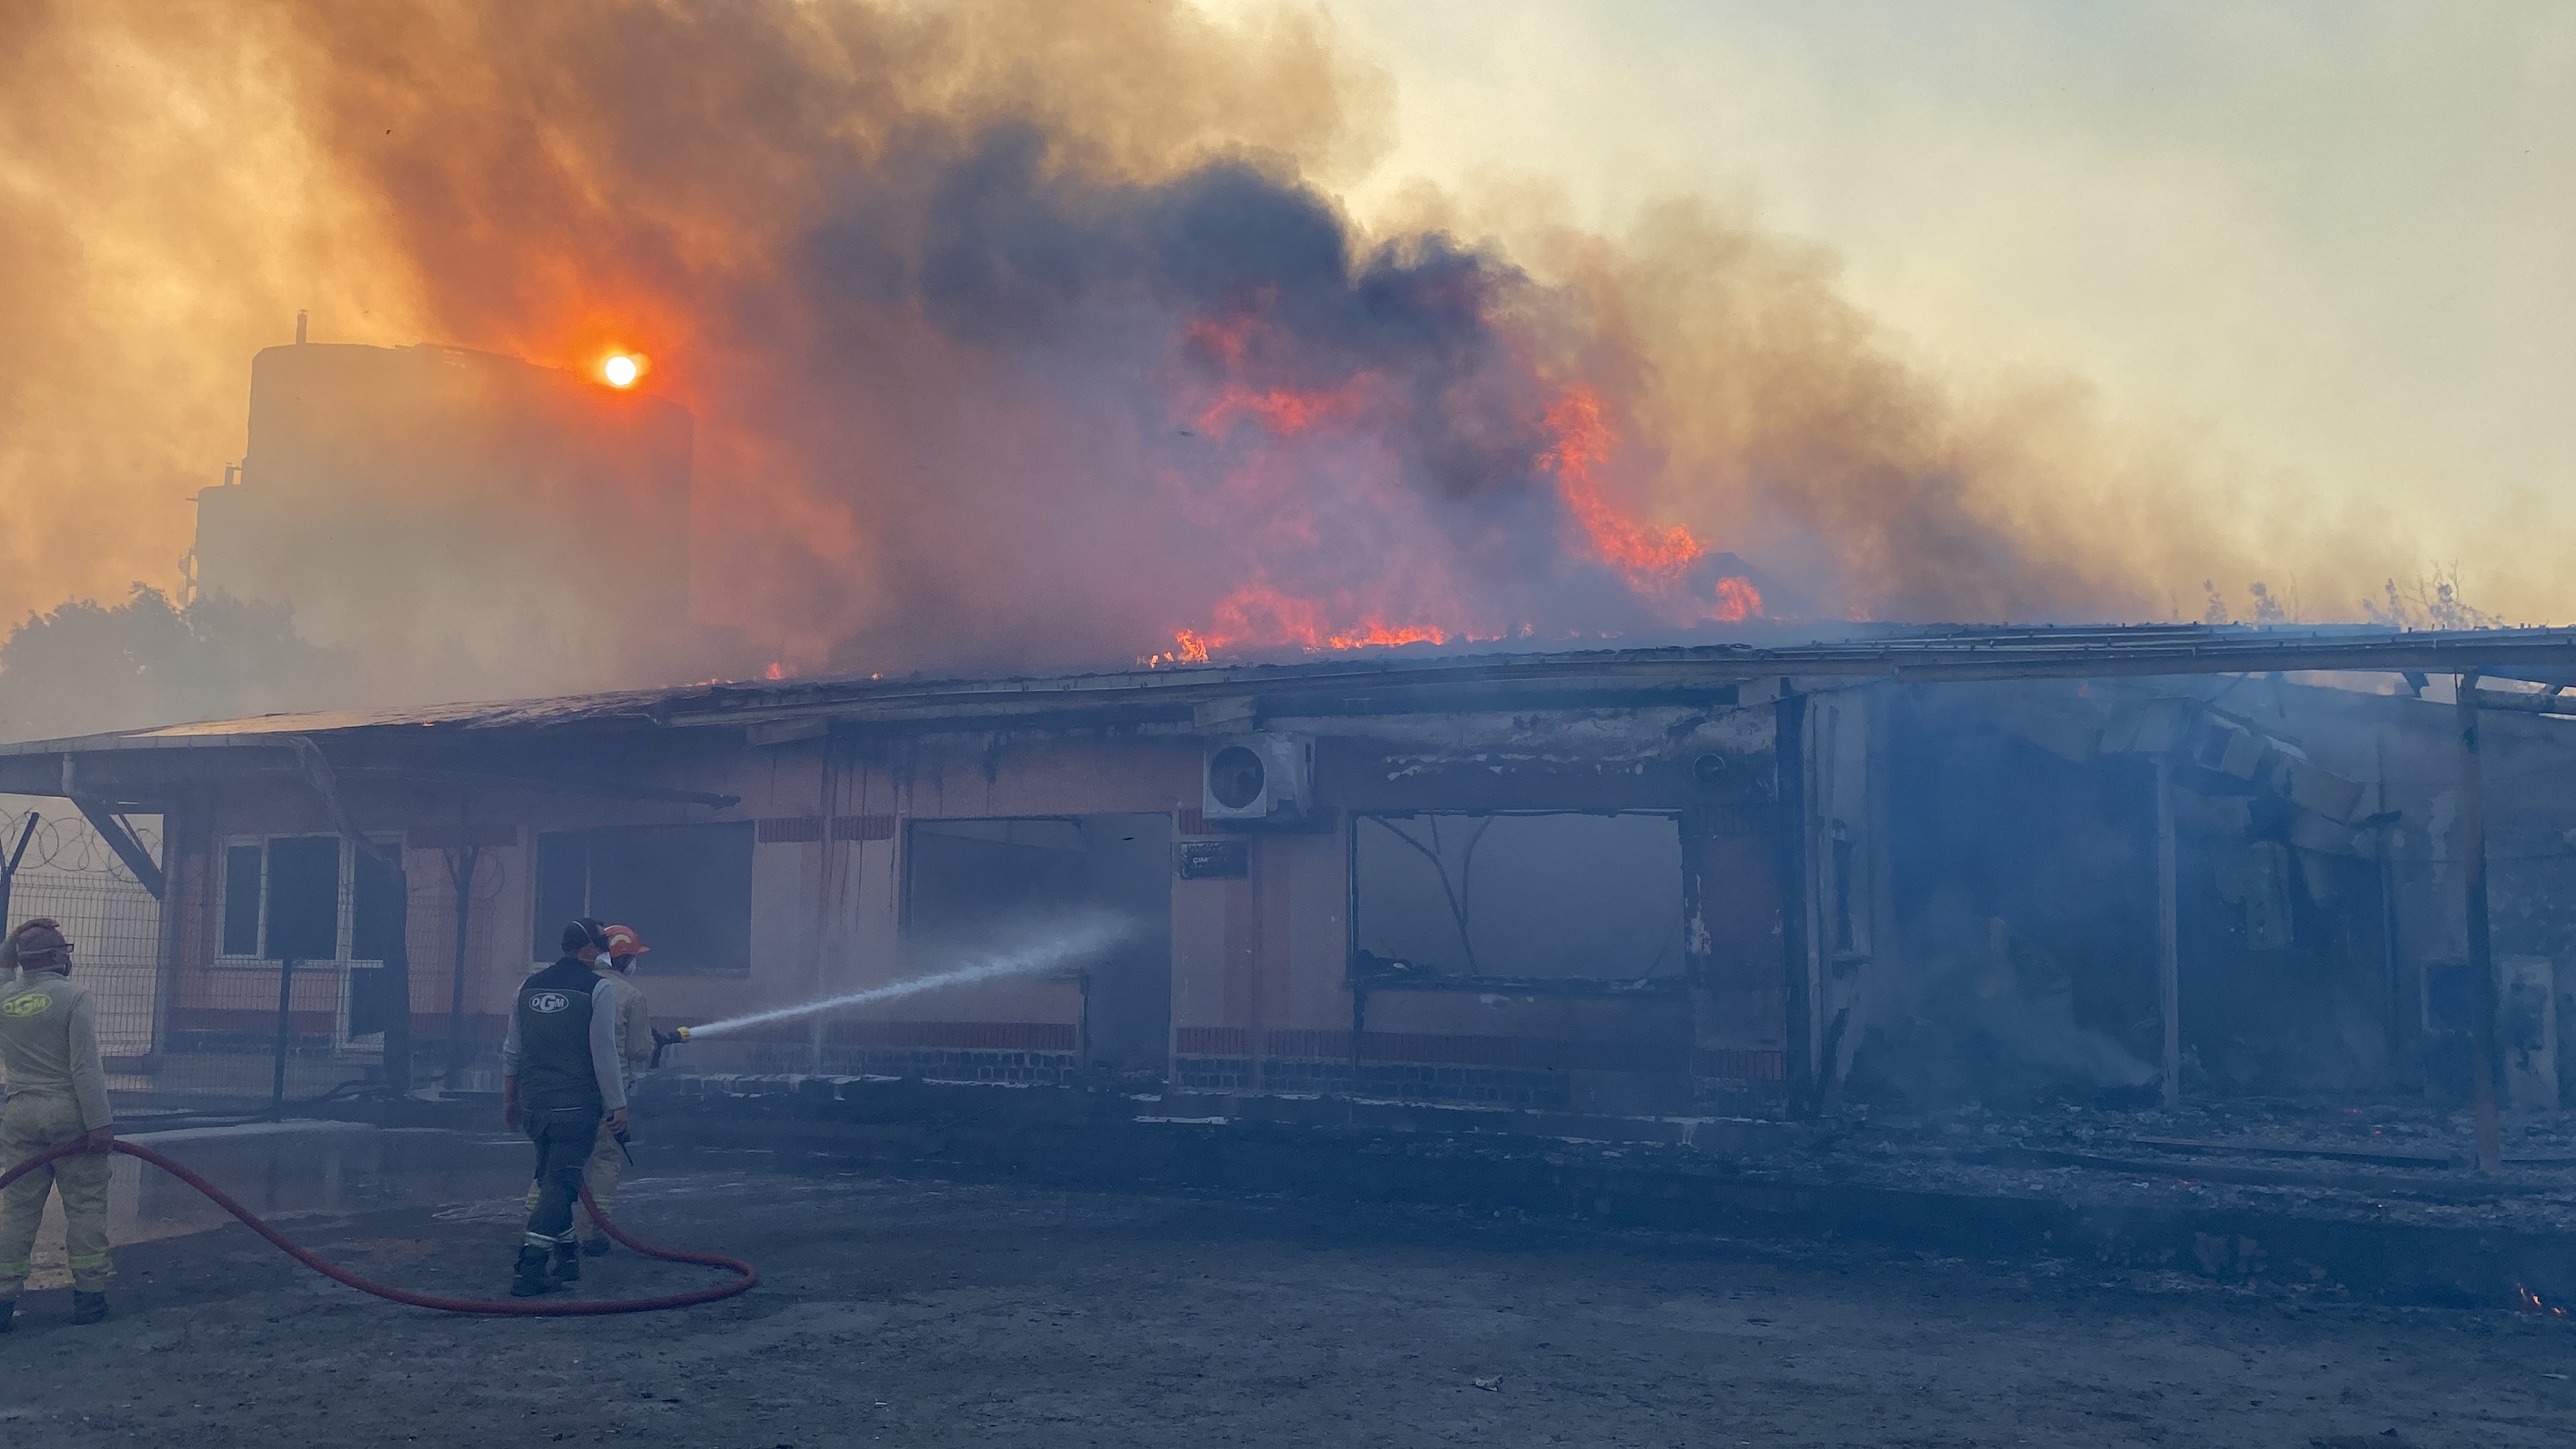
(469, 524)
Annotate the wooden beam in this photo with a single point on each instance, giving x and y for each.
(603, 788)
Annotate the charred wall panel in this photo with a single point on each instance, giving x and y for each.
(2022, 884)
(1740, 1000)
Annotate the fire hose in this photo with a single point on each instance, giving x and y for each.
(570, 1308)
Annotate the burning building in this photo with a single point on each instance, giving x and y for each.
(1922, 865)
(473, 521)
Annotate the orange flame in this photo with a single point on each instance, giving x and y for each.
(1646, 554)
(1737, 601)
(1377, 634)
(1652, 558)
(1258, 613)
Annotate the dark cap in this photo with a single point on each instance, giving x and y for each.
(584, 932)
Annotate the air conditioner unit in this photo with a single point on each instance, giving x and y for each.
(1260, 779)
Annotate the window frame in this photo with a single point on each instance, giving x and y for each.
(1675, 984)
(344, 932)
(905, 927)
(587, 833)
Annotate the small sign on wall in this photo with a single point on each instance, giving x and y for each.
(1213, 859)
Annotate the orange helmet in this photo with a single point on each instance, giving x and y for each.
(623, 941)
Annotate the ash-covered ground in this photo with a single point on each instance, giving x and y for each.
(2376, 1164)
(924, 1312)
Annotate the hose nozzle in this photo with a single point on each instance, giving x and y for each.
(664, 1040)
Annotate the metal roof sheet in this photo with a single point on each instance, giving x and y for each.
(1916, 653)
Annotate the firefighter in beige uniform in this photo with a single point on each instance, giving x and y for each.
(634, 1048)
(57, 1094)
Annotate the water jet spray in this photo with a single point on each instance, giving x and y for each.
(1081, 938)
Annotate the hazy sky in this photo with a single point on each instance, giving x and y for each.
(2334, 243)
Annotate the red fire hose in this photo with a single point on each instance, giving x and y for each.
(570, 1308)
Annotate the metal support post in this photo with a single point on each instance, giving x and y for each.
(2168, 936)
(460, 869)
(2482, 980)
(285, 1036)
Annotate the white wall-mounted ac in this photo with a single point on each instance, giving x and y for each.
(1260, 779)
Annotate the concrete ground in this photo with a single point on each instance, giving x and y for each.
(924, 1312)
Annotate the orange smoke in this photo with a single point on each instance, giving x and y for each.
(1017, 335)
(1282, 411)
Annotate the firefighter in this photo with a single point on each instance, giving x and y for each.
(635, 1042)
(634, 1051)
(562, 1081)
(57, 1094)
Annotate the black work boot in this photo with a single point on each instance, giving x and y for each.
(529, 1278)
(567, 1262)
(89, 1307)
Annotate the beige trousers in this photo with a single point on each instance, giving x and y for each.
(607, 1161)
(30, 1123)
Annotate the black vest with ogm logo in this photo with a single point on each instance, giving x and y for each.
(553, 1016)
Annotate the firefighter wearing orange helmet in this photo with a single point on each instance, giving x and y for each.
(634, 1049)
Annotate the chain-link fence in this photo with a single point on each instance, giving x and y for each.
(159, 1050)
(68, 874)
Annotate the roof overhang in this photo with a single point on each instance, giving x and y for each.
(431, 740)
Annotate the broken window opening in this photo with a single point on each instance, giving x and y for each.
(2254, 878)
(685, 888)
(1534, 896)
(966, 877)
